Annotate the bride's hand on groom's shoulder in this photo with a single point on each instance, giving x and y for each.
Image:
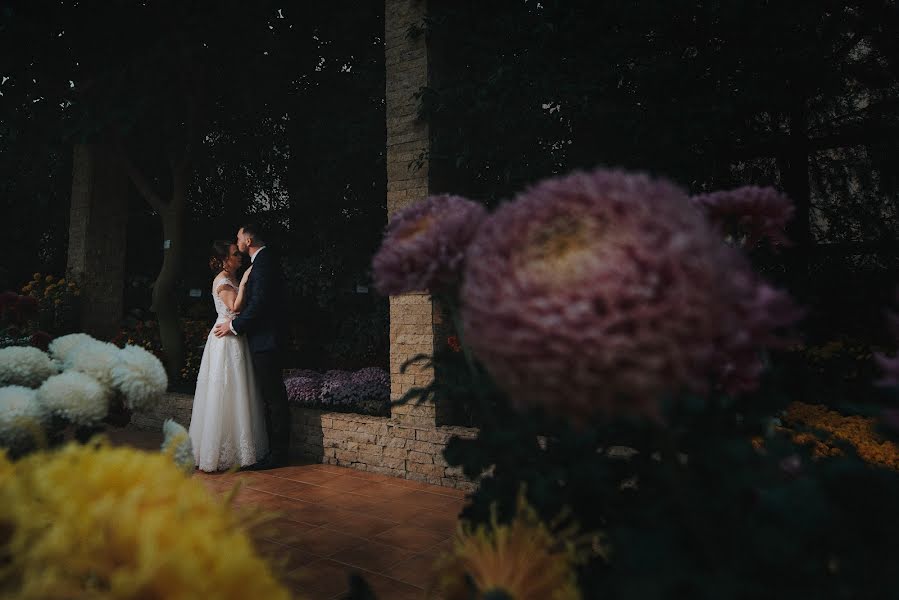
(246, 276)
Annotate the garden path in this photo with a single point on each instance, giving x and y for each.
(334, 521)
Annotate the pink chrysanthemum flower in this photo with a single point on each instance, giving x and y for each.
(424, 246)
(600, 292)
(756, 212)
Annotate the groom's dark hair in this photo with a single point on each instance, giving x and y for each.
(254, 231)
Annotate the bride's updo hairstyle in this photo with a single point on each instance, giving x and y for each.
(219, 253)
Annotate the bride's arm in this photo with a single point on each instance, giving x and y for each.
(234, 300)
(229, 297)
(241, 298)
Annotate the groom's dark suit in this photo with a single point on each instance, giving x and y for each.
(264, 321)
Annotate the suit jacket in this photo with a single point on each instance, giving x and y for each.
(264, 319)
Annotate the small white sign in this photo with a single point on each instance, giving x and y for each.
(195, 293)
(167, 244)
(361, 289)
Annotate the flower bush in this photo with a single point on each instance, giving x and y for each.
(22, 419)
(26, 366)
(57, 302)
(75, 397)
(624, 356)
(145, 334)
(92, 521)
(827, 431)
(99, 384)
(426, 244)
(366, 391)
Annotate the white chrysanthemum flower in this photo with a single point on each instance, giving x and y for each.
(63, 347)
(76, 397)
(177, 443)
(22, 418)
(139, 376)
(25, 366)
(97, 359)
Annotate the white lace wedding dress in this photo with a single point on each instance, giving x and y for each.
(227, 426)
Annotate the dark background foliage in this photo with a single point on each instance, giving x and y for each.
(712, 94)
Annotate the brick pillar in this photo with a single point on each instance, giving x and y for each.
(97, 227)
(411, 315)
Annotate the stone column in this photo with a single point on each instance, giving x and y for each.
(411, 315)
(97, 229)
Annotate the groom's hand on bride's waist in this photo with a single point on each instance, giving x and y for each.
(223, 329)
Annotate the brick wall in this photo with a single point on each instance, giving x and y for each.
(389, 446)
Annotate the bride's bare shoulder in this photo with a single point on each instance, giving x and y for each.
(220, 280)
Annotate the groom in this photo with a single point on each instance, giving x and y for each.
(262, 321)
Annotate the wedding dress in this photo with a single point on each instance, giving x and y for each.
(227, 426)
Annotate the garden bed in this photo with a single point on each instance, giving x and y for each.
(366, 391)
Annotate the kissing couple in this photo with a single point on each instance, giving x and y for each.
(240, 415)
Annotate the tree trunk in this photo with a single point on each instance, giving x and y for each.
(97, 226)
(165, 295)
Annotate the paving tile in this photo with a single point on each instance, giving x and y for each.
(304, 474)
(395, 511)
(393, 589)
(378, 477)
(440, 522)
(307, 492)
(320, 579)
(354, 502)
(433, 501)
(330, 468)
(306, 512)
(372, 556)
(385, 491)
(346, 483)
(284, 560)
(324, 542)
(360, 524)
(417, 570)
(282, 531)
(270, 484)
(411, 537)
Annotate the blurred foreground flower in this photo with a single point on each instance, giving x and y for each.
(76, 397)
(26, 366)
(139, 376)
(63, 347)
(424, 246)
(601, 292)
(22, 418)
(754, 212)
(177, 444)
(522, 560)
(101, 522)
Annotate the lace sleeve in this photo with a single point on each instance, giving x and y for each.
(224, 283)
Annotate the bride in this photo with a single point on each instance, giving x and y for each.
(227, 426)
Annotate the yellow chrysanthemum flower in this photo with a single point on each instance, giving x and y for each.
(48, 278)
(523, 560)
(27, 289)
(100, 522)
(36, 277)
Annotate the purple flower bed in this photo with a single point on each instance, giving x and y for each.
(366, 391)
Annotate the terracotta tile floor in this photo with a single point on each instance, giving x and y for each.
(334, 521)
